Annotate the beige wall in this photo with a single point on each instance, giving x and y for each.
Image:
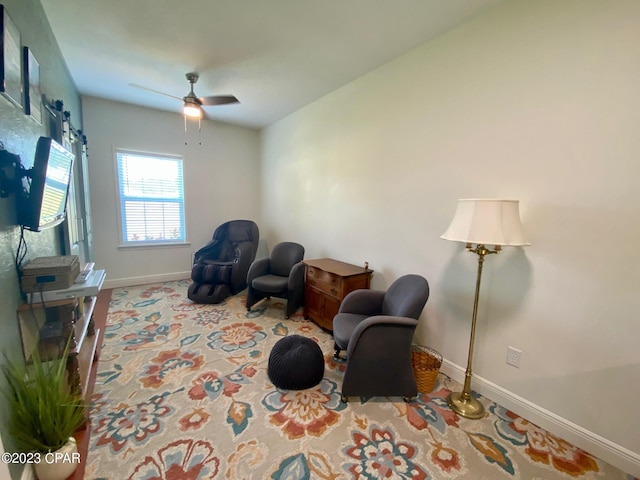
(221, 181)
(537, 101)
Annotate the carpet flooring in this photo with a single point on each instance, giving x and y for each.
(182, 393)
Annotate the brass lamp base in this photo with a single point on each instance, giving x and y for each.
(465, 405)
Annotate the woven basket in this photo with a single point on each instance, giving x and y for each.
(426, 366)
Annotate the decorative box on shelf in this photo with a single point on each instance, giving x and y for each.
(50, 273)
(90, 287)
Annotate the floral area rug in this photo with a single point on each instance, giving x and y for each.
(182, 393)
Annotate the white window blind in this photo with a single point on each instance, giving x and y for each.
(151, 198)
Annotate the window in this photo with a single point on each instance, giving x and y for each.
(151, 198)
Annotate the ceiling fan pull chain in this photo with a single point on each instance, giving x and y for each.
(199, 131)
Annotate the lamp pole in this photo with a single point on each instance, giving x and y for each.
(462, 402)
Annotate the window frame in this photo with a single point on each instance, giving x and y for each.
(122, 242)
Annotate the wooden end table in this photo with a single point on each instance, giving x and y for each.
(328, 281)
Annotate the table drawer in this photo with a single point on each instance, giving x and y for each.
(324, 281)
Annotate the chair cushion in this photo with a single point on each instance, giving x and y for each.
(271, 283)
(227, 251)
(406, 297)
(295, 363)
(240, 231)
(343, 326)
(284, 256)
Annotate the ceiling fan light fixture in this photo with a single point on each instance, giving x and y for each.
(191, 109)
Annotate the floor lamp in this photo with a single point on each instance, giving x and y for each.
(480, 223)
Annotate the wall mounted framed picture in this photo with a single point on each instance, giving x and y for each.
(10, 78)
(31, 85)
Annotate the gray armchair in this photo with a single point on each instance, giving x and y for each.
(376, 329)
(281, 275)
(220, 267)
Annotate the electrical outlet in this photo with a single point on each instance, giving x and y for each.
(513, 357)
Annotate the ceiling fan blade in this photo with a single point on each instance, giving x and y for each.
(155, 91)
(218, 100)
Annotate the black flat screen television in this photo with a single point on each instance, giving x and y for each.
(45, 187)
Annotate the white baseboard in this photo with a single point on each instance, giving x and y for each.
(610, 452)
(132, 281)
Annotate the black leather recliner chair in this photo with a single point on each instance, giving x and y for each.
(220, 267)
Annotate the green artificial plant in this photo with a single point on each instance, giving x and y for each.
(44, 410)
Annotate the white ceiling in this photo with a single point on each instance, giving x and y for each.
(274, 55)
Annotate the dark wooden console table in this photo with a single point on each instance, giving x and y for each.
(328, 281)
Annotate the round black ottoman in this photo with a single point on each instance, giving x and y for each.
(296, 363)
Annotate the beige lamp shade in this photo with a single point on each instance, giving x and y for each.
(486, 222)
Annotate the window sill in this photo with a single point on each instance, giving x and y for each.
(155, 245)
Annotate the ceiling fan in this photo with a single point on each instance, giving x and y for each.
(192, 104)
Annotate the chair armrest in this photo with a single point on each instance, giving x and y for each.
(363, 302)
(296, 277)
(205, 251)
(369, 325)
(243, 256)
(258, 268)
(243, 253)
